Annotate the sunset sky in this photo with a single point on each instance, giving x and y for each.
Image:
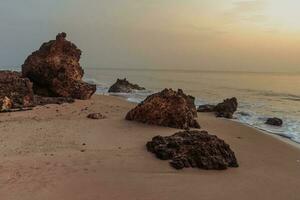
(235, 35)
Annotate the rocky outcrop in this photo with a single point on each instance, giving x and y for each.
(55, 70)
(124, 86)
(96, 116)
(206, 108)
(227, 108)
(167, 108)
(15, 91)
(274, 121)
(193, 149)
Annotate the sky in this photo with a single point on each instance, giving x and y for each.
(221, 35)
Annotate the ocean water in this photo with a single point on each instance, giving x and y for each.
(260, 95)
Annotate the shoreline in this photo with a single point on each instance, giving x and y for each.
(56, 152)
(278, 137)
(274, 135)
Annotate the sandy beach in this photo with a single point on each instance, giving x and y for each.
(56, 152)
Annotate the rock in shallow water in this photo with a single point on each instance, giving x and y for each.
(124, 86)
(206, 108)
(193, 149)
(55, 70)
(274, 121)
(227, 108)
(167, 108)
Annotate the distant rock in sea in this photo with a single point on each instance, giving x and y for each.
(166, 108)
(124, 86)
(15, 91)
(274, 121)
(193, 149)
(55, 70)
(227, 108)
(206, 108)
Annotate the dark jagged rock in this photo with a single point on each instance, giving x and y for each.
(96, 116)
(124, 86)
(167, 108)
(55, 70)
(206, 108)
(193, 149)
(226, 108)
(274, 121)
(15, 91)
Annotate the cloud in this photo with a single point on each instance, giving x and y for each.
(250, 11)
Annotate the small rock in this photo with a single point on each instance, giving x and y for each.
(96, 116)
(274, 121)
(124, 86)
(6, 104)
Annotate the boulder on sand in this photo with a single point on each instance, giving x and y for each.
(55, 70)
(227, 108)
(15, 91)
(166, 108)
(96, 116)
(274, 121)
(124, 86)
(193, 149)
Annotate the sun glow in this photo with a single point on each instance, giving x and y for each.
(284, 14)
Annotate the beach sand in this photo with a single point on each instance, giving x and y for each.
(55, 152)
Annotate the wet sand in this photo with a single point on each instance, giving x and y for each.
(55, 152)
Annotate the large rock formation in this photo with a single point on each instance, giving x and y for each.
(226, 108)
(124, 86)
(193, 149)
(15, 91)
(274, 121)
(55, 70)
(167, 108)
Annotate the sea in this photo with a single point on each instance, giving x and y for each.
(260, 95)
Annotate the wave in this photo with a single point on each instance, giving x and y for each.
(290, 128)
(246, 113)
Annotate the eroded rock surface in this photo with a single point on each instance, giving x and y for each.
(15, 91)
(193, 149)
(167, 108)
(124, 86)
(55, 70)
(227, 108)
(274, 121)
